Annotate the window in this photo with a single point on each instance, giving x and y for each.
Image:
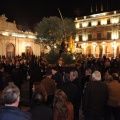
(99, 36)
(99, 23)
(108, 22)
(80, 37)
(89, 36)
(108, 35)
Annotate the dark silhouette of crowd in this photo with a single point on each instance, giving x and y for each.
(59, 92)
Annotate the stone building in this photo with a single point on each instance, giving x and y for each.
(98, 34)
(16, 42)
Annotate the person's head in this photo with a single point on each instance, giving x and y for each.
(2, 69)
(11, 95)
(108, 78)
(73, 75)
(60, 103)
(88, 71)
(17, 64)
(54, 70)
(66, 77)
(38, 97)
(115, 76)
(38, 87)
(96, 76)
(48, 75)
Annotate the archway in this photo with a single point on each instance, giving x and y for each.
(118, 52)
(28, 50)
(100, 51)
(88, 50)
(10, 50)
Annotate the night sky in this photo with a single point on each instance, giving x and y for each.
(30, 12)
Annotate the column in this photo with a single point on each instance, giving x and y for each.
(94, 48)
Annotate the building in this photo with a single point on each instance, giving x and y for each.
(98, 34)
(15, 42)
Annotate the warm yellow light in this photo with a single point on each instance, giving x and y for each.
(84, 45)
(5, 33)
(85, 24)
(14, 34)
(94, 23)
(31, 36)
(77, 25)
(68, 49)
(94, 44)
(103, 43)
(21, 35)
(27, 45)
(114, 20)
(103, 21)
(77, 38)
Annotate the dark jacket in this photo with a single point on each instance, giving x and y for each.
(71, 91)
(41, 112)
(95, 98)
(13, 113)
(58, 79)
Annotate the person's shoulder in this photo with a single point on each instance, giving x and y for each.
(14, 112)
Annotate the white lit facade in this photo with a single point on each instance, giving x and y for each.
(98, 34)
(15, 42)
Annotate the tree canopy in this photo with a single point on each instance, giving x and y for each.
(53, 29)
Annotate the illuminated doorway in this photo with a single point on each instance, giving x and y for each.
(10, 50)
(28, 50)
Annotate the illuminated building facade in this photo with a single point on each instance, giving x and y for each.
(15, 42)
(98, 34)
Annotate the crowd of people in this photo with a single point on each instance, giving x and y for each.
(56, 93)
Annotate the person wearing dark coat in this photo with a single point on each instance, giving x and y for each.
(70, 89)
(39, 110)
(17, 75)
(75, 80)
(95, 98)
(57, 76)
(34, 74)
(11, 99)
(86, 78)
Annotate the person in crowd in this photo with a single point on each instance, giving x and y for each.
(57, 76)
(1, 81)
(63, 110)
(50, 87)
(70, 89)
(34, 74)
(78, 69)
(10, 110)
(60, 66)
(17, 75)
(113, 104)
(39, 110)
(75, 80)
(86, 78)
(38, 87)
(107, 78)
(95, 98)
